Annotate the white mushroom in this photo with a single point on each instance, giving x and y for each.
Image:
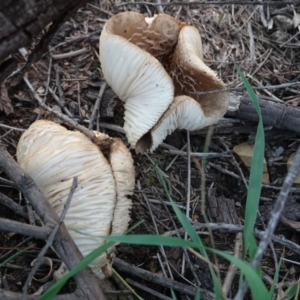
(176, 61)
(53, 156)
(137, 77)
(189, 110)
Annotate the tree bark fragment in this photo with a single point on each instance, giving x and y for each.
(279, 115)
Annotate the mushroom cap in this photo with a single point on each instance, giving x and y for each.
(189, 110)
(144, 50)
(184, 113)
(191, 75)
(53, 156)
(135, 75)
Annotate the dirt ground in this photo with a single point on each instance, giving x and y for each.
(264, 42)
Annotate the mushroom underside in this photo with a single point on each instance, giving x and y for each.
(53, 156)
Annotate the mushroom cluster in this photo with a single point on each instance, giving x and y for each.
(53, 156)
(155, 65)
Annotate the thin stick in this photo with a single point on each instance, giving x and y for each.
(60, 102)
(33, 231)
(156, 229)
(148, 290)
(74, 40)
(16, 208)
(166, 282)
(199, 154)
(233, 268)
(12, 128)
(63, 117)
(235, 228)
(97, 105)
(159, 7)
(174, 159)
(69, 54)
(50, 240)
(219, 168)
(188, 193)
(275, 216)
(57, 81)
(48, 78)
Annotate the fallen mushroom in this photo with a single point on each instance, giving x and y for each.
(53, 156)
(155, 65)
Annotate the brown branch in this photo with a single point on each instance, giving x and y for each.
(87, 286)
(24, 229)
(154, 278)
(278, 115)
(18, 209)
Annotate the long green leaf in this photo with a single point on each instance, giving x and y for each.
(14, 256)
(292, 290)
(197, 295)
(53, 290)
(193, 234)
(256, 174)
(152, 240)
(257, 286)
(258, 289)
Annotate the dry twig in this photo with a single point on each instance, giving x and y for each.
(50, 240)
(275, 217)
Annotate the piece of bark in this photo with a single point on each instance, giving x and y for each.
(7, 67)
(21, 20)
(221, 209)
(87, 286)
(278, 115)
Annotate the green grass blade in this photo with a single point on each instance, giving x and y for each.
(14, 256)
(180, 215)
(293, 290)
(53, 290)
(193, 234)
(275, 279)
(197, 295)
(152, 240)
(257, 287)
(256, 174)
(173, 295)
(126, 285)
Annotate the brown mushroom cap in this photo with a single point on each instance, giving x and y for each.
(127, 43)
(179, 50)
(157, 35)
(190, 75)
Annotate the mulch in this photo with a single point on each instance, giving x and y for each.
(263, 40)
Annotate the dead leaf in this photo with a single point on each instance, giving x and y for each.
(5, 102)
